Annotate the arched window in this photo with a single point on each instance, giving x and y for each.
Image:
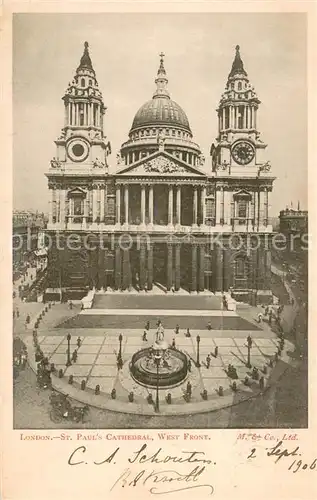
(239, 85)
(82, 83)
(90, 83)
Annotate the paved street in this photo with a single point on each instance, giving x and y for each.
(284, 404)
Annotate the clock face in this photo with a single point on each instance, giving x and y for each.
(77, 150)
(243, 152)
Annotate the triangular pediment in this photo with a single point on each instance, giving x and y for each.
(160, 164)
(76, 192)
(243, 193)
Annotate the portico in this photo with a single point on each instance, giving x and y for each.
(165, 203)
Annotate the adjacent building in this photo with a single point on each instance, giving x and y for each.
(163, 216)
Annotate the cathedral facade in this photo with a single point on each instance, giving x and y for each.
(164, 217)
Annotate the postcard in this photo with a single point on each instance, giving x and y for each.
(161, 228)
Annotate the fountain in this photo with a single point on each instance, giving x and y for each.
(159, 365)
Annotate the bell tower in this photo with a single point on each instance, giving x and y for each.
(78, 172)
(82, 141)
(238, 142)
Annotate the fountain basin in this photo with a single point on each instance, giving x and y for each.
(172, 370)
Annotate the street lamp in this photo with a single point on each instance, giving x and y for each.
(197, 361)
(68, 362)
(249, 345)
(120, 346)
(157, 358)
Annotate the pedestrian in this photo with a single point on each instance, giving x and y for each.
(173, 344)
(187, 334)
(177, 329)
(209, 326)
(70, 305)
(216, 351)
(189, 365)
(266, 310)
(144, 338)
(189, 388)
(270, 317)
(260, 316)
(74, 356)
(208, 359)
(147, 325)
(78, 341)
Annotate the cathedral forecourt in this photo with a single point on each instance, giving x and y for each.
(163, 217)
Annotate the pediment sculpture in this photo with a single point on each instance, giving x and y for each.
(201, 160)
(120, 160)
(56, 163)
(163, 166)
(266, 167)
(98, 163)
(223, 166)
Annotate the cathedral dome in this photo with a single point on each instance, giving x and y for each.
(161, 111)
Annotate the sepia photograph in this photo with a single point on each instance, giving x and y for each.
(160, 221)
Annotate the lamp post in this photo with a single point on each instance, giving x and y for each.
(68, 362)
(157, 358)
(197, 361)
(249, 345)
(120, 346)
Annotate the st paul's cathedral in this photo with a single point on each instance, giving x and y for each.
(164, 217)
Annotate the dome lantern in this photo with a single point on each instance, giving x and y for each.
(161, 80)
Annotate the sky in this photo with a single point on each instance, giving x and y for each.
(124, 49)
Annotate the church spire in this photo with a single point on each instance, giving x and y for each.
(85, 61)
(237, 65)
(161, 80)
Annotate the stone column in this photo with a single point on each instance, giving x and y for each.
(142, 204)
(231, 117)
(118, 268)
(244, 117)
(142, 266)
(266, 207)
(222, 214)
(177, 266)
(195, 206)
(219, 268)
(118, 204)
(178, 206)
(86, 208)
(203, 205)
(201, 268)
(151, 204)
(170, 204)
(126, 275)
(218, 206)
(102, 204)
(150, 266)
(62, 206)
(194, 268)
(94, 204)
(126, 204)
(169, 265)
(50, 209)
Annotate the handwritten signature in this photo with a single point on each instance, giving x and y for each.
(160, 478)
(158, 481)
